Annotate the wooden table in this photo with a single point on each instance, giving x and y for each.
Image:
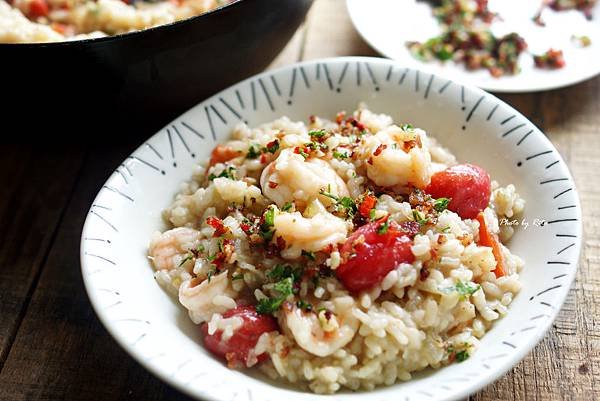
(52, 347)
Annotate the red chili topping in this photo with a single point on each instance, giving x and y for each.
(218, 225)
(366, 205)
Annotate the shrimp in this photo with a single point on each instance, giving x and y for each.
(324, 332)
(170, 248)
(291, 177)
(312, 232)
(397, 156)
(209, 297)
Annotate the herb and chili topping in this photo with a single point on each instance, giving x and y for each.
(466, 38)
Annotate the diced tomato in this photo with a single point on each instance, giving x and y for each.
(468, 186)
(366, 205)
(487, 238)
(222, 154)
(370, 253)
(38, 8)
(218, 225)
(236, 349)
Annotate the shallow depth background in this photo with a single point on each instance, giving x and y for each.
(53, 347)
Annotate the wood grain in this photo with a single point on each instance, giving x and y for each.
(36, 182)
(52, 347)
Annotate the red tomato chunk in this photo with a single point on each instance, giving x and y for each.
(467, 185)
(236, 349)
(370, 253)
(38, 8)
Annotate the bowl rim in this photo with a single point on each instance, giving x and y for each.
(477, 384)
(125, 35)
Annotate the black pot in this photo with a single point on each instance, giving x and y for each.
(141, 80)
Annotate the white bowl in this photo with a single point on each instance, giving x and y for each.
(475, 125)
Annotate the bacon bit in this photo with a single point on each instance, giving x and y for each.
(355, 123)
(370, 160)
(312, 119)
(487, 238)
(281, 244)
(273, 184)
(379, 149)
(222, 154)
(366, 205)
(442, 239)
(263, 158)
(408, 145)
(411, 228)
(272, 143)
(433, 253)
(218, 225)
(245, 227)
(38, 8)
(328, 249)
(339, 118)
(196, 281)
(424, 273)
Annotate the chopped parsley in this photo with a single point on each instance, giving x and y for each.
(317, 133)
(340, 155)
(229, 172)
(420, 218)
(406, 127)
(272, 146)
(304, 305)
(190, 256)
(441, 204)
(266, 229)
(309, 255)
(383, 228)
(302, 152)
(462, 356)
(287, 207)
(372, 214)
(465, 290)
(253, 152)
(210, 274)
(284, 289)
(344, 204)
(280, 272)
(239, 276)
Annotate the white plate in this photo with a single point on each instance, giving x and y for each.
(388, 24)
(475, 125)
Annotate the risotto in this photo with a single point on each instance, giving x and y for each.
(24, 21)
(339, 254)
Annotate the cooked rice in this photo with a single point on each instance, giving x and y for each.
(414, 319)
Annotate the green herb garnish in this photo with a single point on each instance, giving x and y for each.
(253, 152)
(284, 288)
(237, 277)
(382, 229)
(419, 217)
(462, 356)
(340, 155)
(441, 204)
(229, 172)
(317, 133)
(309, 255)
(272, 146)
(287, 207)
(304, 305)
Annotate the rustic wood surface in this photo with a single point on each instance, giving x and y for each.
(52, 347)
